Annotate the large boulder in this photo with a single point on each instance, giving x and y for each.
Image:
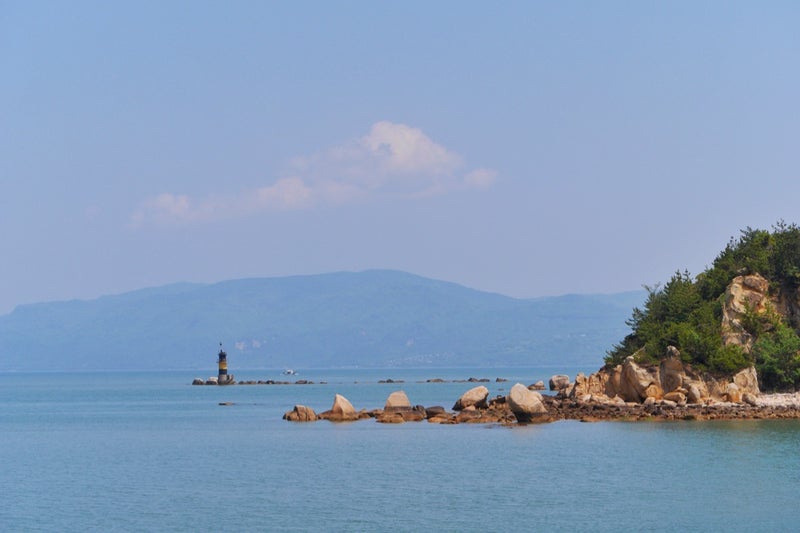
(397, 401)
(635, 382)
(300, 413)
(525, 404)
(747, 381)
(559, 382)
(341, 411)
(475, 397)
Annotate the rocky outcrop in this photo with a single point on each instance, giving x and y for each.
(475, 397)
(525, 404)
(636, 383)
(300, 413)
(341, 411)
(744, 295)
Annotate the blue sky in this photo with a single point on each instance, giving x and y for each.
(527, 148)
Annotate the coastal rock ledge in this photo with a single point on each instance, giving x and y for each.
(629, 392)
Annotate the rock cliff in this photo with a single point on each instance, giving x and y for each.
(671, 380)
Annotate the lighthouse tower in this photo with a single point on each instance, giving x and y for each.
(223, 378)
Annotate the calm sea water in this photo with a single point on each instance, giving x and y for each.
(149, 452)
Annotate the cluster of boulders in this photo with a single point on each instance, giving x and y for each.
(670, 381)
(474, 406)
(629, 391)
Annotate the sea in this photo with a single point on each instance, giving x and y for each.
(150, 452)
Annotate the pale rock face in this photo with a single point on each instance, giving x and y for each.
(475, 397)
(672, 372)
(341, 411)
(342, 405)
(594, 384)
(634, 381)
(743, 293)
(525, 404)
(396, 401)
(747, 381)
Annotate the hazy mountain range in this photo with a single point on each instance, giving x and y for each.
(375, 318)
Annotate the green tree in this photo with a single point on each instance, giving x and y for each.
(777, 356)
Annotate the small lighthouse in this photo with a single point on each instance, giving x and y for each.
(223, 378)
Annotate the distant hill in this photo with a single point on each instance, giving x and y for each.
(370, 319)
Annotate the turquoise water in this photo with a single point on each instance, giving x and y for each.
(139, 452)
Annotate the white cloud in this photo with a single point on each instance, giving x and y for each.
(392, 160)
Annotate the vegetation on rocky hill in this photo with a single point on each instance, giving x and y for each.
(687, 312)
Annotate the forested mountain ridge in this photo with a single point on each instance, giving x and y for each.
(375, 318)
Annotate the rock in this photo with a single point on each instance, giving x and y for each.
(675, 396)
(539, 385)
(475, 397)
(593, 384)
(672, 372)
(634, 381)
(341, 411)
(732, 393)
(559, 382)
(300, 413)
(212, 380)
(390, 418)
(198, 381)
(750, 399)
(397, 401)
(693, 394)
(525, 404)
(435, 410)
(747, 381)
(414, 415)
(500, 380)
(442, 418)
(654, 391)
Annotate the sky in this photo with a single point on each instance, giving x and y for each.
(525, 148)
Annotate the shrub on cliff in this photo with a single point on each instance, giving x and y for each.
(687, 312)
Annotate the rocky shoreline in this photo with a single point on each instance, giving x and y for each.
(627, 392)
(501, 410)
